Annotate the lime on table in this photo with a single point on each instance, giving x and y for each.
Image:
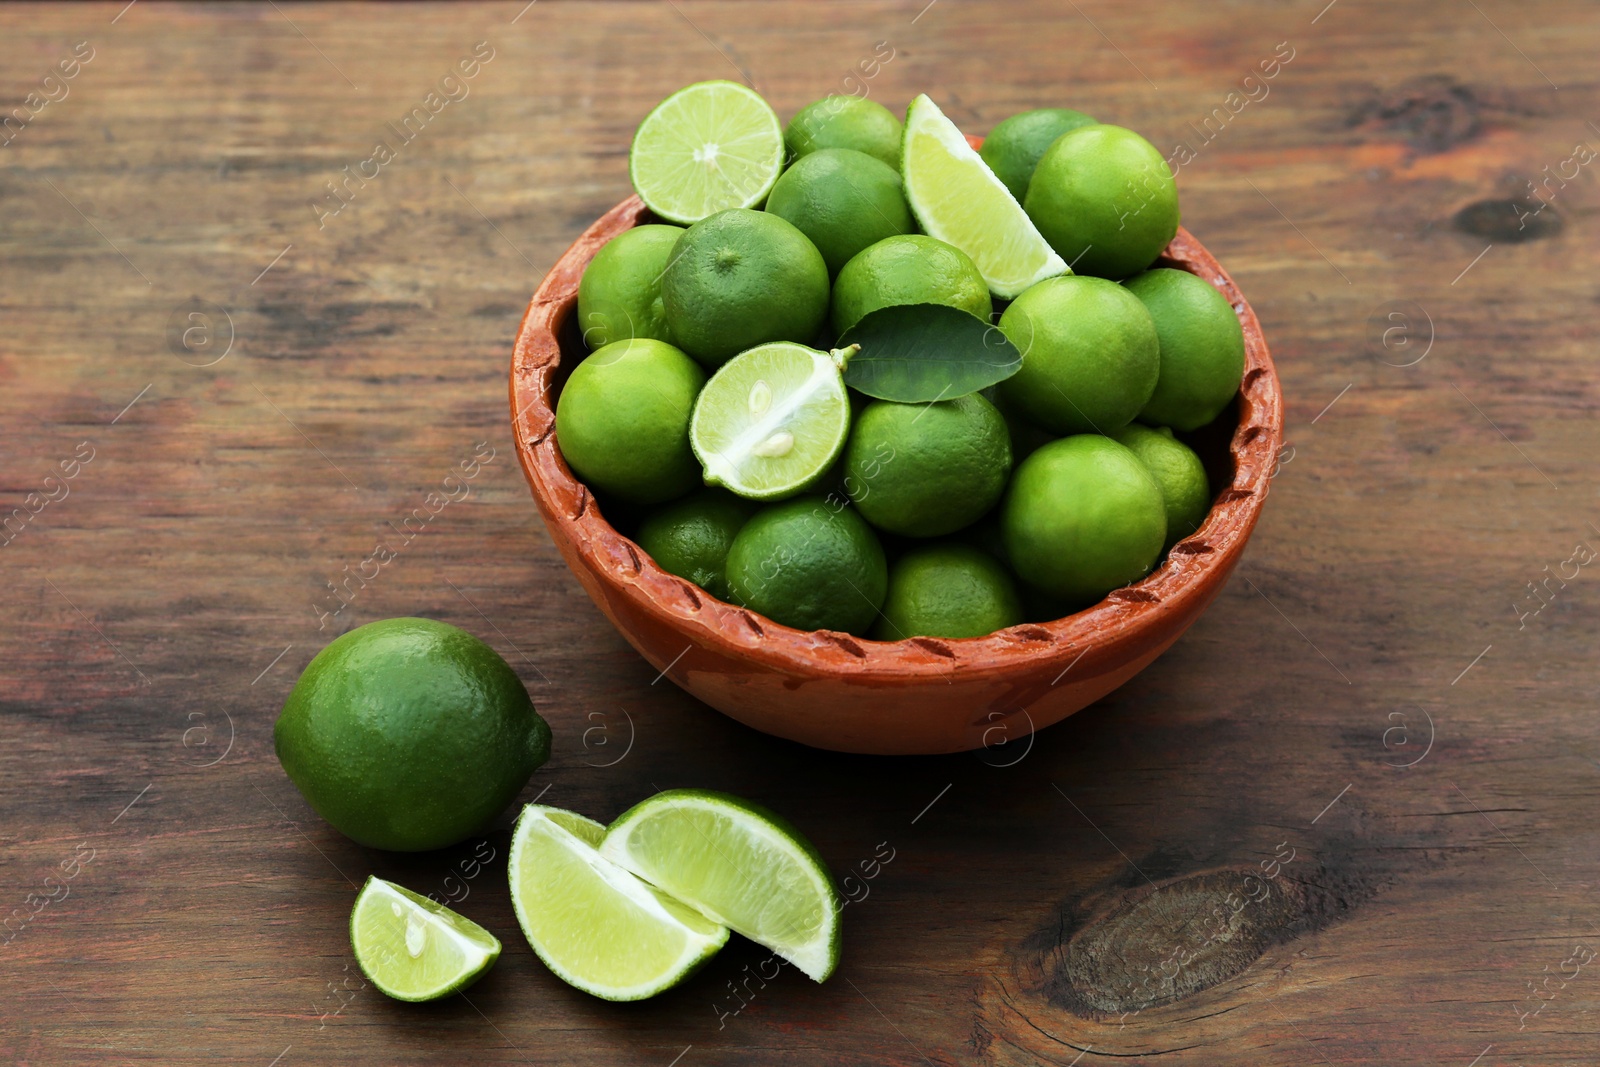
(598, 927)
(958, 199)
(810, 563)
(412, 948)
(712, 146)
(409, 734)
(772, 420)
(738, 863)
(910, 268)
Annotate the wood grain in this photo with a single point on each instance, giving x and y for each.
(1416, 565)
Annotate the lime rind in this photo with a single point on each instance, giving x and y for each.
(413, 948)
(959, 200)
(772, 420)
(706, 148)
(738, 863)
(596, 926)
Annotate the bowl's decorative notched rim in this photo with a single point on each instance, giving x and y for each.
(1211, 551)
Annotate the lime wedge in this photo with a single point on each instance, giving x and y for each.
(958, 199)
(739, 864)
(595, 925)
(414, 949)
(712, 146)
(772, 420)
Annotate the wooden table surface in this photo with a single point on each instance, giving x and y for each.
(222, 383)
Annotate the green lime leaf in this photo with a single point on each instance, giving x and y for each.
(919, 353)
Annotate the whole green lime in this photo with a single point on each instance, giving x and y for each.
(742, 278)
(1083, 516)
(910, 269)
(843, 200)
(622, 420)
(811, 564)
(691, 537)
(409, 734)
(947, 590)
(1089, 355)
(923, 470)
(1202, 347)
(1013, 148)
(1179, 473)
(1105, 200)
(845, 122)
(619, 295)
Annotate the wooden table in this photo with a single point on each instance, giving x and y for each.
(223, 382)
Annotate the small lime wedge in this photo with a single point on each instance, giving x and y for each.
(414, 949)
(738, 863)
(596, 926)
(958, 199)
(706, 148)
(772, 420)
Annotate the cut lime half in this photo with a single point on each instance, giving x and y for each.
(958, 199)
(738, 863)
(712, 146)
(596, 926)
(414, 949)
(772, 420)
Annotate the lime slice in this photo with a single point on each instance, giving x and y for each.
(595, 925)
(772, 420)
(712, 146)
(740, 864)
(414, 949)
(958, 199)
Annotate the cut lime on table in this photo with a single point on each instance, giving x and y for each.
(598, 927)
(739, 864)
(772, 420)
(958, 199)
(712, 146)
(414, 949)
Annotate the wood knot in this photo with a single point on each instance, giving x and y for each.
(1513, 220)
(1433, 113)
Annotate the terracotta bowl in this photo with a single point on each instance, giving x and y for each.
(850, 694)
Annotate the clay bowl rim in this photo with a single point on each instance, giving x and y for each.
(1188, 574)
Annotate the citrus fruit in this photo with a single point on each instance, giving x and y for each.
(1202, 347)
(409, 734)
(691, 538)
(958, 199)
(927, 469)
(1089, 355)
(1105, 199)
(1083, 517)
(1178, 471)
(619, 295)
(598, 927)
(843, 200)
(947, 590)
(811, 564)
(1013, 148)
(706, 148)
(845, 122)
(908, 269)
(771, 420)
(739, 864)
(742, 278)
(622, 421)
(412, 948)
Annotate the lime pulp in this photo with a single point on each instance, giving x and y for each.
(412, 948)
(711, 146)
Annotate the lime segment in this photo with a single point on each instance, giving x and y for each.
(958, 199)
(596, 926)
(772, 420)
(712, 146)
(739, 864)
(414, 949)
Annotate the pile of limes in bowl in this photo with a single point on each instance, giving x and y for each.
(861, 377)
